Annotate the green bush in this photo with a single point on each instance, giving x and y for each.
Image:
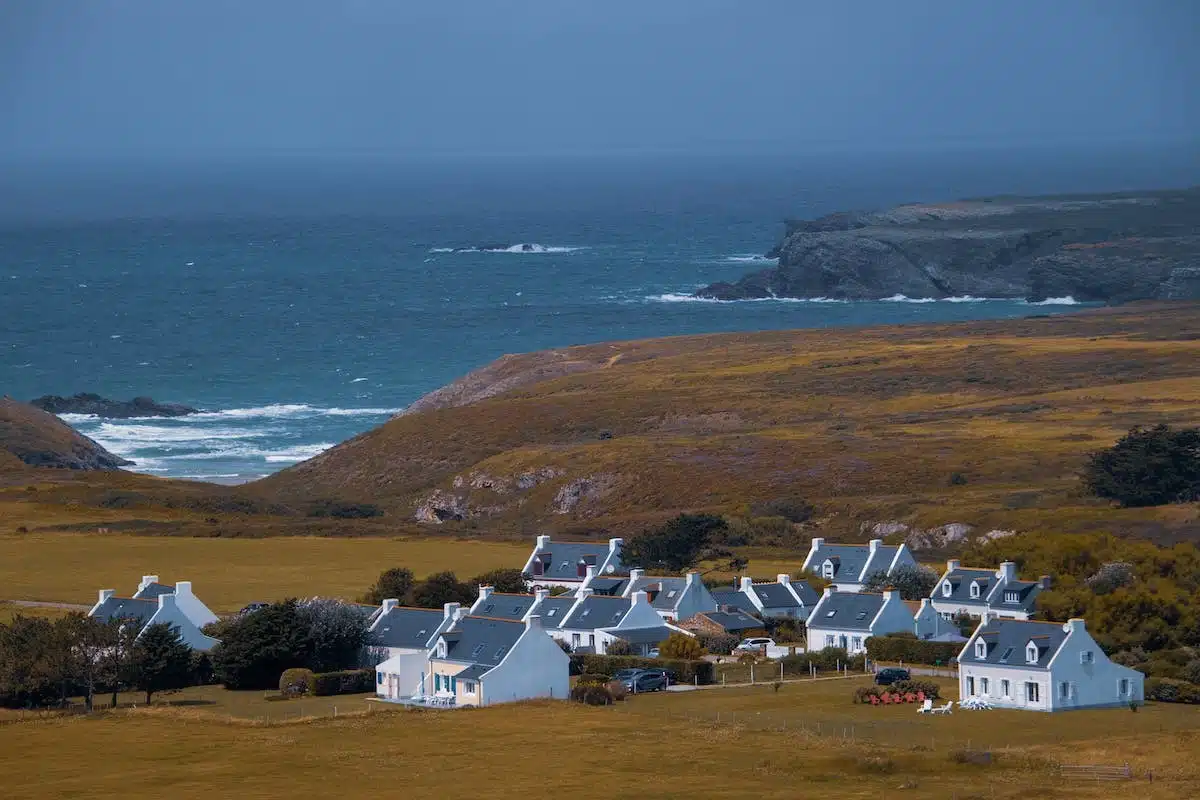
(930, 688)
(297, 681)
(593, 694)
(911, 650)
(827, 660)
(680, 671)
(349, 681)
(594, 677)
(1167, 690)
(717, 643)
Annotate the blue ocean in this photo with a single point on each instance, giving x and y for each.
(300, 301)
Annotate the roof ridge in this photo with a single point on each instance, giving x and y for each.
(135, 599)
(493, 619)
(511, 594)
(414, 608)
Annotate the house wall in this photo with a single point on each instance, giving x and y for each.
(929, 623)
(444, 668)
(192, 606)
(1017, 677)
(817, 640)
(170, 614)
(696, 598)
(894, 617)
(952, 607)
(1092, 685)
(403, 673)
(535, 667)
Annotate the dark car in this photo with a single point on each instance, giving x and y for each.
(624, 675)
(890, 675)
(647, 681)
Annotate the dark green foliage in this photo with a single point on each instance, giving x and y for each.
(395, 583)
(297, 681)
(826, 660)
(716, 643)
(202, 669)
(29, 674)
(682, 647)
(680, 671)
(1148, 467)
(340, 510)
(160, 661)
(1167, 690)
(678, 545)
(441, 588)
(913, 582)
(793, 509)
(620, 647)
(510, 580)
(338, 632)
(350, 681)
(911, 650)
(258, 647)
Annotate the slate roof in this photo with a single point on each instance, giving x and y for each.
(553, 610)
(735, 599)
(482, 640)
(1027, 592)
(564, 558)
(653, 635)
(733, 622)
(607, 586)
(153, 590)
(848, 559)
(849, 611)
(506, 606)
(808, 595)
(408, 627)
(597, 612)
(664, 598)
(139, 609)
(774, 595)
(960, 581)
(1006, 640)
(472, 673)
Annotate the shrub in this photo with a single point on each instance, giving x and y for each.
(256, 648)
(594, 677)
(297, 681)
(617, 690)
(911, 650)
(1191, 671)
(350, 681)
(681, 646)
(913, 582)
(1148, 467)
(793, 509)
(680, 671)
(592, 694)
(1168, 690)
(394, 583)
(619, 647)
(826, 660)
(339, 510)
(716, 643)
(202, 670)
(931, 689)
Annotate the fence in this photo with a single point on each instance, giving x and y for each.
(1097, 773)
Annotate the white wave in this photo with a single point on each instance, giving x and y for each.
(274, 411)
(900, 298)
(249, 452)
(969, 299)
(360, 412)
(441, 249)
(520, 247)
(750, 258)
(1057, 301)
(122, 439)
(674, 297)
(358, 380)
(298, 453)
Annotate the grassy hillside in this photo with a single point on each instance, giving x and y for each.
(986, 423)
(31, 436)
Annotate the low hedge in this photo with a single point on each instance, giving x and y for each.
(826, 660)
(349, 681)
(906, 689)
(592, 694)
(298, 681)
(1168, 690)
(912, 651)
(680, 671)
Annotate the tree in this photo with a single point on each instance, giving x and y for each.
(337, 632)
(619, 647)
(678, 545)
(1148, 467)
(91, 641)
(27, 674)
(502, 580)
(160, 661)
(395, 583)
(441, 588)
(258, 647)
(681, 646)
(913, 582)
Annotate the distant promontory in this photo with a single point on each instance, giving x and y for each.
(97, 406)
(1108, 248)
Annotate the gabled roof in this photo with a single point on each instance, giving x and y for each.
(608, 586)
(151, 591)
(408, 627)
(668, 591)
(1027, 592)
(1007, 639)
(553, 610)
(852, 611)
(138, 609)
(506, 606)
(482, 640)
(774, 595)
(882, 560)
(960, 581)
(659, 633)
(848, 560)
(808, 595)
(735, 599)
(597, 612)
(564, 558)
(733, 622)
(473, 672)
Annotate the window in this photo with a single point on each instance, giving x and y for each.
(831, 612)
(861, 615)
(1124, 687)
(586, 611)
(1087, 657)
(1011, 597)
(1064, 690)
(1031, 653)
(946, 615)
(671, 594)
(974, 590)
(856, 644)
(538, 567)
(564, 566)
(984, 686)
(516, 609)
(488, 608)
(827, 570)
(476, 650)
(829, 640)
(574, 640)
(1007, 653)
(591, 640)
(947, 589)
(1031, 693)
(437, 682)
(1005, 690)
(980, 648)
(441, 649)
(500, 652)
(421, 635)
(552, 612)
(970, 686)
(469, 687)
(379, 679)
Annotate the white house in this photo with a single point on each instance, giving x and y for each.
(505, 605)
(185, 599)
(481, 661)
(935, 627)
(849, 565)
(673, 597)
(595, 621)
(848, 619)
(565, 563)
(782, 598)
(1043, 666)
(163, 609)
(408, 635)
(974, 591)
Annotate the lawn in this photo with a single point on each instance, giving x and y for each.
(228, 573)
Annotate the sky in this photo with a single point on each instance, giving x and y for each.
(196, 78)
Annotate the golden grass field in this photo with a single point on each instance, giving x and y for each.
(649, 747)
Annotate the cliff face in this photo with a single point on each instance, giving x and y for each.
(40, 439)
(1106, 248)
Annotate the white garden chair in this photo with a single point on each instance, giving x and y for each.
(946, 709)
(926, 707)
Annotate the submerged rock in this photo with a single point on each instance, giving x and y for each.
(97, 406)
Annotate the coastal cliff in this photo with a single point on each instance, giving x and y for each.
(1110, 248)
(40, 439)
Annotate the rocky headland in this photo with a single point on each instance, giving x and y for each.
(98, 406)
(40, 439)
(1109, 248)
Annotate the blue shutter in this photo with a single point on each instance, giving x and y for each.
(437, 682)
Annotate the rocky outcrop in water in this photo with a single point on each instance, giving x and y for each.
(97, 406)
(1098, 248)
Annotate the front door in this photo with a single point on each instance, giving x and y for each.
(970, 687)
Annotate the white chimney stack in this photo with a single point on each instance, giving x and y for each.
(640, 598)
(389, 604)
(450, 611)
(614, 545)
(541, 593)
(543, 542)
(693, 578)
(875, 543)
(953, 564)
(533, 622)
(1075, 625)
(584, 591)
(589, 574)
(166, 601)
(817, 543)
(890, 595)
(829, 590)
(1008, 571)
(183, 588)
(106, 593)
(485, 592)
(783, 578)
(635, 575)
(744, 583)
(146, 581)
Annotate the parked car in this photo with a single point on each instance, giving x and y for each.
(647, 681)
(889, 675)
(624, 675)
(754, 644)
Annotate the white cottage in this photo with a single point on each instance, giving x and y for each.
(408, 635)
(974, 591)
(594, 621)
(673, 597)
(848, 619)
(849, 566)
(162, 609)
(566, 564)
(1043, 666)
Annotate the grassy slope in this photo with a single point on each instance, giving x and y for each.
(869, 424)
(32, 435)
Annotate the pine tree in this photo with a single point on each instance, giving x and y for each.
(160, 661)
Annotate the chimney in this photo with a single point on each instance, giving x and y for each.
(693, 578)
(146, 581)
(589, 574)
(640, 598)
(745, 583)
(953, 564)
(817, 542)
(614, 545)
(829, 590)
(183, 588)
(533, 622)
(485, 592)
(635, 575)
(1075, 625)
(1044, 581)
(389, 604)
(450, 611)
(543, 542)
(106, 593)
(166, 601)
(1008, 571)
(541, 594)
(783, 578)
(584, 591)
(890, 595)
(875, 543)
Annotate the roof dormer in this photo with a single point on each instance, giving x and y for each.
(976, 590)
(947, 589)
(829, 568)
(1032, 652)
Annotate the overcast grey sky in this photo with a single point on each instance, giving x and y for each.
(180, 78)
